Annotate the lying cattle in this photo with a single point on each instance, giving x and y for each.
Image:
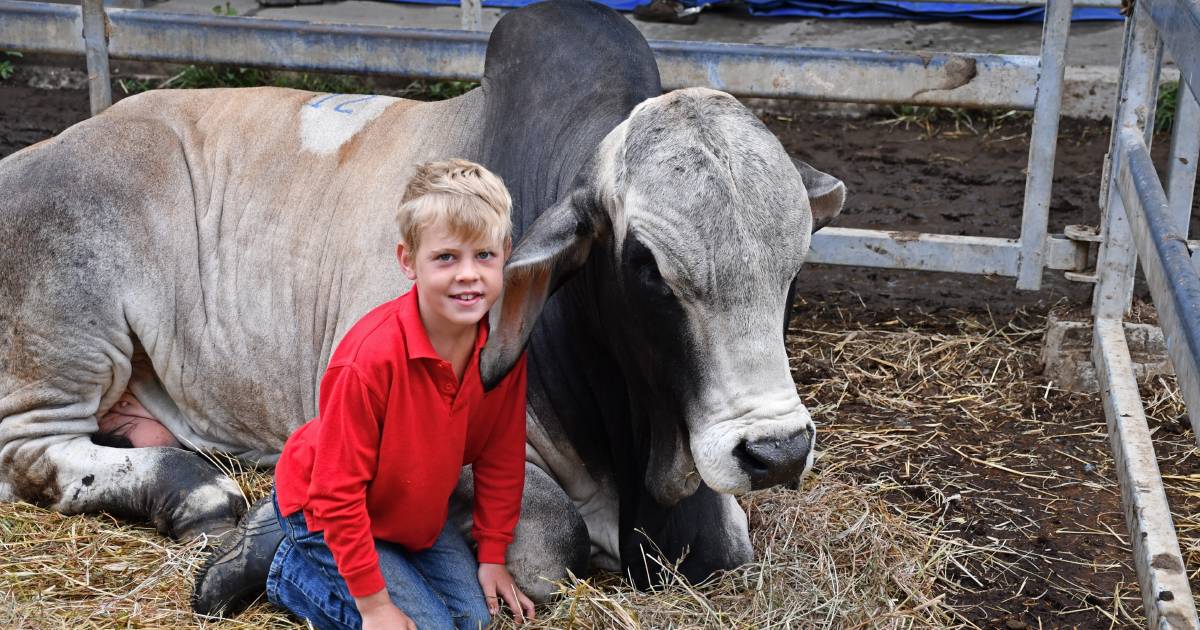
(206, 250)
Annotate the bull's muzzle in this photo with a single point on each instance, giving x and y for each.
(770, 462)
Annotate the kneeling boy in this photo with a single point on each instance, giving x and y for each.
(362, 491)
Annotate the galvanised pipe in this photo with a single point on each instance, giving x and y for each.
(949, 79)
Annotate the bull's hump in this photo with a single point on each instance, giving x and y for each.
(329, 121)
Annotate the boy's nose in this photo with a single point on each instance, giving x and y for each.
(468, 270)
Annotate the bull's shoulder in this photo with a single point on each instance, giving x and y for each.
(374, 344)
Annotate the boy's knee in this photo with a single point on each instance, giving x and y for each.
(474, 618)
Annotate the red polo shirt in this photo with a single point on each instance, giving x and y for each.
(394, 429)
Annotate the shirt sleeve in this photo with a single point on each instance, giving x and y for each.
(346, 460)
(500, 471)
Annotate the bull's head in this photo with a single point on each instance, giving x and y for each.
(699, 220)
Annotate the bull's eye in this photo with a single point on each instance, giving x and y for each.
(644, 268)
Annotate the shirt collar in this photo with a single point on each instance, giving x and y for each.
(416, 339)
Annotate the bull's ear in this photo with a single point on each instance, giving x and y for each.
(826, 194)
(554, 247)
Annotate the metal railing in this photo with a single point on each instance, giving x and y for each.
(1022, 82)
(1140, 216)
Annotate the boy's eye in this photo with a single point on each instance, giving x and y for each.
(444, 257)
(486, 255)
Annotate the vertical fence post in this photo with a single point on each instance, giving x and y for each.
(472, 14)
(95, 37)
(1185, 150)
(1043, 143)
(1117, 259)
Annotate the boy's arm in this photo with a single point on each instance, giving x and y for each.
(346, 458)
(500, 472)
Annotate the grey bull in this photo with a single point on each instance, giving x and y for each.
(206, 250)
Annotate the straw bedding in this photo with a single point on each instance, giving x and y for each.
(955, 488)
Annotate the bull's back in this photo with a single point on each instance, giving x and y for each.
(238, 232)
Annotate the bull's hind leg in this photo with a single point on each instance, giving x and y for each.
(66, 275)
(47, 456)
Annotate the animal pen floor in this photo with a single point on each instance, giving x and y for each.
(956, 487)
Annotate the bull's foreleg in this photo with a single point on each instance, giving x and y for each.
(551, 537)
(702, 534)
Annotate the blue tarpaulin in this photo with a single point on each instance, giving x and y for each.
(855, 9)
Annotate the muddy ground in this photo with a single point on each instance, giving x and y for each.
(1030, 479)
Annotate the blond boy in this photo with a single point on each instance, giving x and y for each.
(362, 491)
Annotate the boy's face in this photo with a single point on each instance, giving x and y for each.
(457, 281)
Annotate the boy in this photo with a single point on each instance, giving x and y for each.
(362, 491)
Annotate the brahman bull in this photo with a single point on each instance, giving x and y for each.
(206, 250)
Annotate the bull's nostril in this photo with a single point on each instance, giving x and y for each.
(775, 460)
(753, 466)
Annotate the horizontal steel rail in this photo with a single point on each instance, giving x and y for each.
(952, 79)
(1166, 597)
(891, 249)
(1166, 263)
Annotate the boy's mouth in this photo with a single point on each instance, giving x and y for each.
(468, 297)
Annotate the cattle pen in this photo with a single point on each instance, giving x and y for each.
(1142, 217)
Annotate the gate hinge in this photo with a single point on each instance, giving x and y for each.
(1074, 252)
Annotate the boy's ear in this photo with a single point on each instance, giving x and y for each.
(405, 260)
(553, 248)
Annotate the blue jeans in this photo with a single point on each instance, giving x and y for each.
(438, 587)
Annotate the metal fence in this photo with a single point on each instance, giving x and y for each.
(1140, 216)
(1022, 82)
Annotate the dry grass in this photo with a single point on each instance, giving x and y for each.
(955, 489)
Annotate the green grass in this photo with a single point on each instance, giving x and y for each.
(209, 76)
(1164, 112)
(935, 119)
(6, 63)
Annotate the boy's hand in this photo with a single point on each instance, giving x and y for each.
(497, 582)
(379, 613)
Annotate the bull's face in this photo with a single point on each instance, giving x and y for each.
(702, 222)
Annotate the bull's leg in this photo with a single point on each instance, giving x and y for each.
(176, 490)
(551, 537)
(707, 530)
(47, 456)
(76, 276)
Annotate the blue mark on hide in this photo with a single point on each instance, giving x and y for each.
(317, 103)
(340, 107)
(343, 107)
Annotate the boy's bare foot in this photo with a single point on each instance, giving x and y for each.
(236, 572)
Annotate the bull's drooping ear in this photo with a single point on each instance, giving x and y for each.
(554, 247)
(826, 194)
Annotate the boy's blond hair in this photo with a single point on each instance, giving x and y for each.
(468, 198)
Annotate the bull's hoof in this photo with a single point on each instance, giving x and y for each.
(236, 571)
(190, 497)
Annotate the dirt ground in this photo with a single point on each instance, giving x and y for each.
(1022, 472)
